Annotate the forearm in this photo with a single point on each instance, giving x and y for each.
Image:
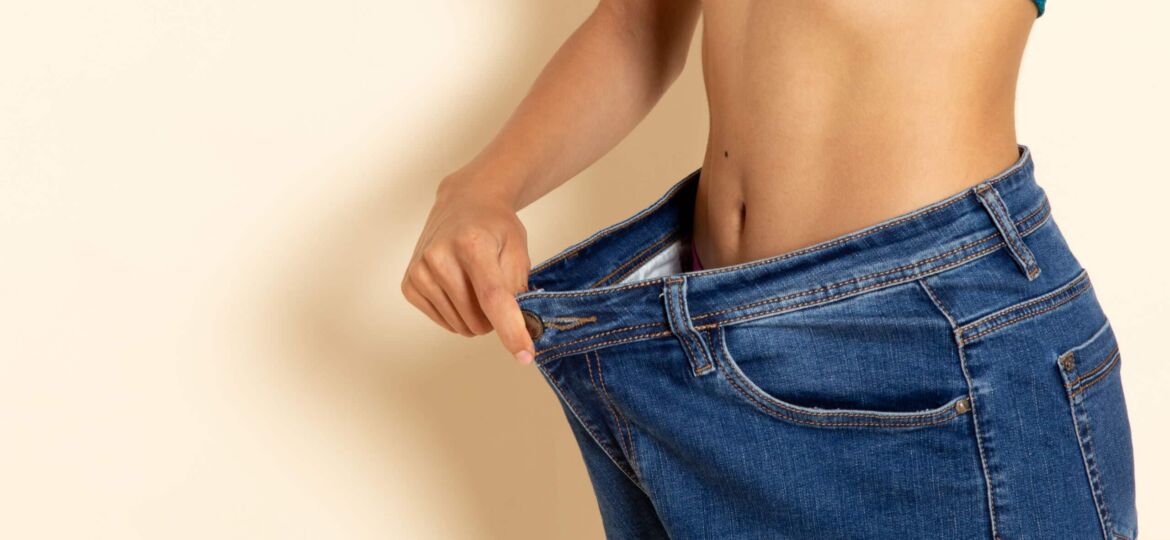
(598, 85)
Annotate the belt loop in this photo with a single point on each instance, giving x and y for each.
(674, 295)
(995, 206)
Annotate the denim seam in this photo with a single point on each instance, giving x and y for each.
(755, 315)
(591, 292)
(855, 292)
(1109, 369)
(1089, 458)
(959, 262)
(567, 323)
(890, 422)
(602, 334)
(894, 420)
(604, 447)
(1108, 358)
(1039, 208)
(638, 337)
(621, 436)
(990, 486)
(701, 365)
(938, 303)
(1022, 311)
(965, 247)
(1019, 250)
(618, 416)
(839, 284)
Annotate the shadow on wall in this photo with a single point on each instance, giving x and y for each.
(493, 435)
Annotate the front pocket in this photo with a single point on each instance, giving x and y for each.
(886, 358)
(1092, 382)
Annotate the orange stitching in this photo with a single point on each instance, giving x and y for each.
(856, 291)
(937, 301)
(604, 448)
(1000, 213)
(728, 360)
(764, 408)
(638, 337)
(601, 334)
(1043, 207)
(618, 417)
(848, 281)
(677, 293)
(1025, 316)
(700, 364)
(1113, 352)
(1075, 282)
(1074, 290)
(1098, 379)
(868, 276)
(591, 292)
(559, 324)
(589, 368)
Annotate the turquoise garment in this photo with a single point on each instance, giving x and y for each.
(1039, 7)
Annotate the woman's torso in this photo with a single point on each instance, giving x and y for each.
(826, 117)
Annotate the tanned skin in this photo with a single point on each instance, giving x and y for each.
(825, 117)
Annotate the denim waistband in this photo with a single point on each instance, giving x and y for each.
(595, 294)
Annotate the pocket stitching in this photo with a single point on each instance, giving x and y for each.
(1027, 309)
(748, 390)
(1095, 375)
(1082, 425)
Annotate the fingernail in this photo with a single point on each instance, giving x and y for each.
(524, 357)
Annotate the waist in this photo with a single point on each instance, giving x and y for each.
(609, 288)
(760, 203)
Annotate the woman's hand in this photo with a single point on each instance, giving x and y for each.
(470, 261)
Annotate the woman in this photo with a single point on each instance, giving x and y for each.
(857, 319)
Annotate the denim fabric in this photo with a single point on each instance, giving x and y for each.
(946, 373)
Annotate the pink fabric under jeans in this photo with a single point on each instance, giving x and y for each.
(695, 263)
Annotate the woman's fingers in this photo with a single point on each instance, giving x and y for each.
(454, 280)
(421, 302)
(426, 283)
(495, 290)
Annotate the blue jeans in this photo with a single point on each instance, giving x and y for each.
(946, 373)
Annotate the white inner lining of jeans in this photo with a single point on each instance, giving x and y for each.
(667, 262)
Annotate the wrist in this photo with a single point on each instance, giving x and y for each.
(490, 189)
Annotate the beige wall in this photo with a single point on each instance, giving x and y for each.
(206, 206)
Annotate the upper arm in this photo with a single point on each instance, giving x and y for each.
(666, 26)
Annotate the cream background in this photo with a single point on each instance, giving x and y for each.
(206, 207)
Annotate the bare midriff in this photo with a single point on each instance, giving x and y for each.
(830, 116)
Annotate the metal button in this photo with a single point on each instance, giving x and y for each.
(533, 324)
(963, 405)
(1068, 362)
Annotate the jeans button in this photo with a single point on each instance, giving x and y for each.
(532, 324)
